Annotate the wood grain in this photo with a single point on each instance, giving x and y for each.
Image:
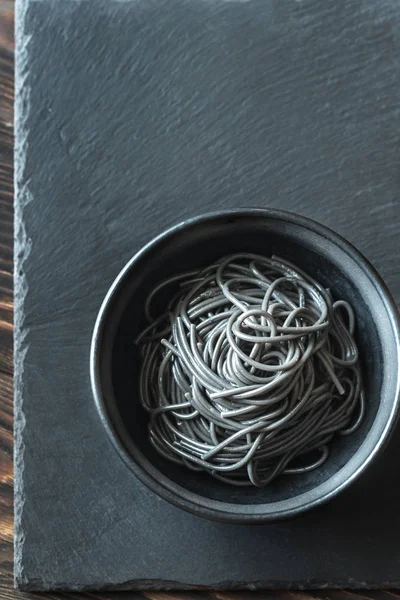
(6, 372)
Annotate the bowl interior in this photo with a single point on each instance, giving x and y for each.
(197, 244)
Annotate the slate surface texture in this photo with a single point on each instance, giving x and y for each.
(130, 116)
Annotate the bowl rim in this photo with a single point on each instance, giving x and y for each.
(171, 491)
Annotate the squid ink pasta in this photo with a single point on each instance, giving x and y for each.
(250, 371)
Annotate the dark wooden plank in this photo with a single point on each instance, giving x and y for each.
(6, 305)
(6, 363)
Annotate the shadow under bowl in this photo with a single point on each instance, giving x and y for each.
(115, 361)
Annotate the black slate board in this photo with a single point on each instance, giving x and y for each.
(130, 116)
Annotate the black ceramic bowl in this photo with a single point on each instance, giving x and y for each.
(115, 362)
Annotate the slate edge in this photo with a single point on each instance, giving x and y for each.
(22, 246)
(37, 585)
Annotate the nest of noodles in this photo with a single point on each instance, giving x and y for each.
(251, 370)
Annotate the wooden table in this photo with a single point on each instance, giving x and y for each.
(6, 365)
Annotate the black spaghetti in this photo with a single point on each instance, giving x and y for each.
(251, 371)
